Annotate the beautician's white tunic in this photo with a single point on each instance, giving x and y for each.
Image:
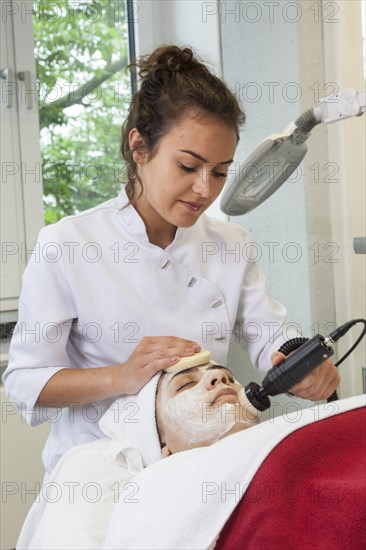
(95, 286)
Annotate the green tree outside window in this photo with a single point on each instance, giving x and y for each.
(84, 92)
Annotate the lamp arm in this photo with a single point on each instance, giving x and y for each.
(346, 104)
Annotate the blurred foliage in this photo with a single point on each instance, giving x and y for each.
(84, 92)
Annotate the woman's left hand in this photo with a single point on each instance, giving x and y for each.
(316, 386)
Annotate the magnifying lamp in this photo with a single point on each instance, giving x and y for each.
(273, 161)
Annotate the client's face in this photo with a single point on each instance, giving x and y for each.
(199, 406)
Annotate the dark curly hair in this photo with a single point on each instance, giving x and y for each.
(172, 80)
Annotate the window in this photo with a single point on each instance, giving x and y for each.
(64, 87)
(81, 52)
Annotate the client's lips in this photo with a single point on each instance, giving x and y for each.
(224, 392)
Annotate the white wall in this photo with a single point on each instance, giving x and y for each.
(344, 62)
(179, 22)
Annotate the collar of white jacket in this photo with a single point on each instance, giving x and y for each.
(131, 421)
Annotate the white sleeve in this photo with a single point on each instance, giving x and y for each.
(46, 312)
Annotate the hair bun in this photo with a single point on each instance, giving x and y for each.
(179, 60)
(167, 59)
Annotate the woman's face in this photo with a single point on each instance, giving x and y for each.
(186, 173)
(198, 406)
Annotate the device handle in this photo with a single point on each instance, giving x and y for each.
(296, 366)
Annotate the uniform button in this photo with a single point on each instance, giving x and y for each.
(217, 304)
(164, 265)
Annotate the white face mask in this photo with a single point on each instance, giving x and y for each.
(193, 418)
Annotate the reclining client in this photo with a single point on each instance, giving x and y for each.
(172, 413)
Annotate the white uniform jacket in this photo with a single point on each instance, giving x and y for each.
(95, 286)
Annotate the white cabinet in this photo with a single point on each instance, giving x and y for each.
(21, 184)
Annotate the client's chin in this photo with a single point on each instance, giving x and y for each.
(226, 398)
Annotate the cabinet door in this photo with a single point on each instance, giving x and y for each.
(12, 223)
(21, 185)
(29, 143)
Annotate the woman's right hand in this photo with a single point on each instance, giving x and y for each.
(151, 355)
(70, 386)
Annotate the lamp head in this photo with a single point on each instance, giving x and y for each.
(267, 167)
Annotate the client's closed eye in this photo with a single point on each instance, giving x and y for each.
(186, 385)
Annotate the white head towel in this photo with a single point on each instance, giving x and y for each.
(131, 420)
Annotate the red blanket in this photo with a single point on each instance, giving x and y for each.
(309, 493)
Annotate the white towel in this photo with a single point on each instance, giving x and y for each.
(75, 504)
(131, 421)
(184, 501)
(73, 508)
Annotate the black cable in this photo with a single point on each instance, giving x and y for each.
(292, 344)
(341, 331)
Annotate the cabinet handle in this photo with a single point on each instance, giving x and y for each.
(9, 88)
(26, 77)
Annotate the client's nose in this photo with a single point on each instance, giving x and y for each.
(214, 377)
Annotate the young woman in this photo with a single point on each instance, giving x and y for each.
(119, 292)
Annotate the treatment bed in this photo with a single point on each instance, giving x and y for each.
(296, 481)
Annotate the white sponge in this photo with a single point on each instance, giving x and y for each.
(200, 358)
